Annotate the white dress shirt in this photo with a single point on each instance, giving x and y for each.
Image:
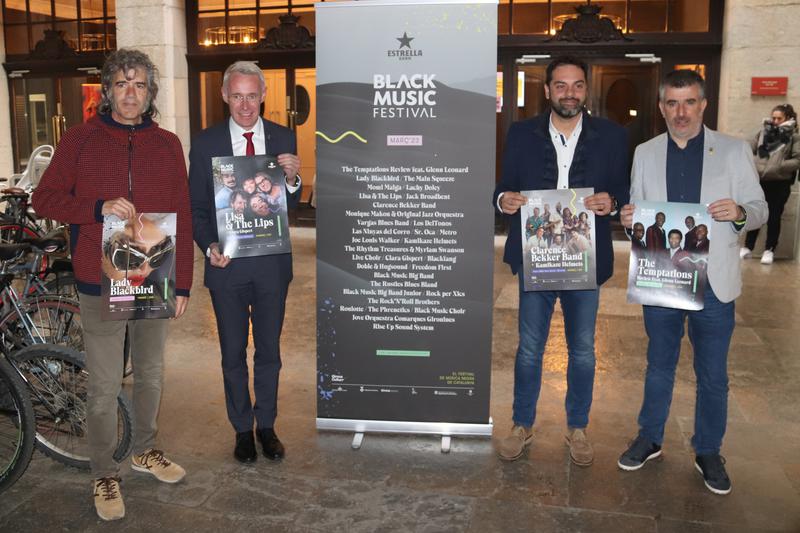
(239, 144)
(565, 150)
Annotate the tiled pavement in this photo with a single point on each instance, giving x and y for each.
(403, 483)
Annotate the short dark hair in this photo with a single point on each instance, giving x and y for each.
(565, 60)
(678, 79)
(675, 231)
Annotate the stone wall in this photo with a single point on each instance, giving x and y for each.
(6, 150)
(158, 28)
(760, 39)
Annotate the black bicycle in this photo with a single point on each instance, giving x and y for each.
(17, 426)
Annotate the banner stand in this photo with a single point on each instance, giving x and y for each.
(446, 430)
(406, 132)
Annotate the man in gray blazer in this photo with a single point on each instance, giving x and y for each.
(694, 164)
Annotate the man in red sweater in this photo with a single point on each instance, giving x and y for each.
(120, 162)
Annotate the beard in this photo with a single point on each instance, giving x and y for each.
(566, 112)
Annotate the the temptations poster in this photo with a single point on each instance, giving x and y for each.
(669, 255)
(250, 197)
(138, 266)
(558, 243)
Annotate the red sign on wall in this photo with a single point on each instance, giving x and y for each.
(769, 86)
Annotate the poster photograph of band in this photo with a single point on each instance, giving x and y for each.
(669, 255)
(405, 159)
(558, 248)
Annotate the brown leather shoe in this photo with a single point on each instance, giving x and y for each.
(580, 449)
(512, 447)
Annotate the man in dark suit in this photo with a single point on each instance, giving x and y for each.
(563, 148)
(245, 289)
(690, 239)
(638, 236)
(656, 237)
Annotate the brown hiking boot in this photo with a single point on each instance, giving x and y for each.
(512, 447)
(153, 462)
(108, 499)
(580, 449)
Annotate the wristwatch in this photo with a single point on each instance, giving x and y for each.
(614, 206)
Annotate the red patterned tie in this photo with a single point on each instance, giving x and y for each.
(251, 149)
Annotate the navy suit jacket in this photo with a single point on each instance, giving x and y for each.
(216, 141)
(600, 161)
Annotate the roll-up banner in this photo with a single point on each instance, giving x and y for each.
(405, 173)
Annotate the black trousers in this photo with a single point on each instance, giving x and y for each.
(261, 300)
(776, 194)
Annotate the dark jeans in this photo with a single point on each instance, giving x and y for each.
(535, 312)
(776, 193)
(710, 332)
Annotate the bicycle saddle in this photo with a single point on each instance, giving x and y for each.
(52, 242)
(10, 251)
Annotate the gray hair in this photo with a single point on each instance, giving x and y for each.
(124, 60)
(678, 79)
(246, 68)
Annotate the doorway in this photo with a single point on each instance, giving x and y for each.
(290, 101)
(627, 95)
(43, 108)
(620, 90)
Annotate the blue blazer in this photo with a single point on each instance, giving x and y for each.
(216, 141)
(600, 161)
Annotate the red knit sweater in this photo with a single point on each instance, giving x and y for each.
(90, 166)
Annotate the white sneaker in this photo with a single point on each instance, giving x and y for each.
(745, 252)
(768, 257)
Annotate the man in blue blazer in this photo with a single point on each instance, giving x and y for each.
(562, 148)
(245, 289)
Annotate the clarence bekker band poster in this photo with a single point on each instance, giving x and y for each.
(558, 247)
(250, 197)
(138, 266)
(669, 255)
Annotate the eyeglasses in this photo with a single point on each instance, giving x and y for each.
(251, 98)
(125, 257)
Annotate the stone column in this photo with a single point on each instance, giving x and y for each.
(6, 150)
(158, 28)
(760, 39)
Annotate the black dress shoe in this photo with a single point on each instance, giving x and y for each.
(273, 449)
(245, 450)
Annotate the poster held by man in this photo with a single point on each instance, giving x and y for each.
(252, 215)
(138, 266)
(670, 270)
(558, 249)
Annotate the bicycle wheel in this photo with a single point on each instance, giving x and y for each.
(48, 319)
(58, 384)
(17, 426)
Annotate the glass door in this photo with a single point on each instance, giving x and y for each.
(43, 108)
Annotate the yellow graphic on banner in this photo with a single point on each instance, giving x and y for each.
(342, 136)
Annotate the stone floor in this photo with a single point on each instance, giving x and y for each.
(404, 483)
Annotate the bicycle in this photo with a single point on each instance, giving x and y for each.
(57, 380)
(17, 426)
(47, 318)
(55, 375)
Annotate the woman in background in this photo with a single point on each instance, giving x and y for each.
(777, 155)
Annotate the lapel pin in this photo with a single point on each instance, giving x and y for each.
(711, 150)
